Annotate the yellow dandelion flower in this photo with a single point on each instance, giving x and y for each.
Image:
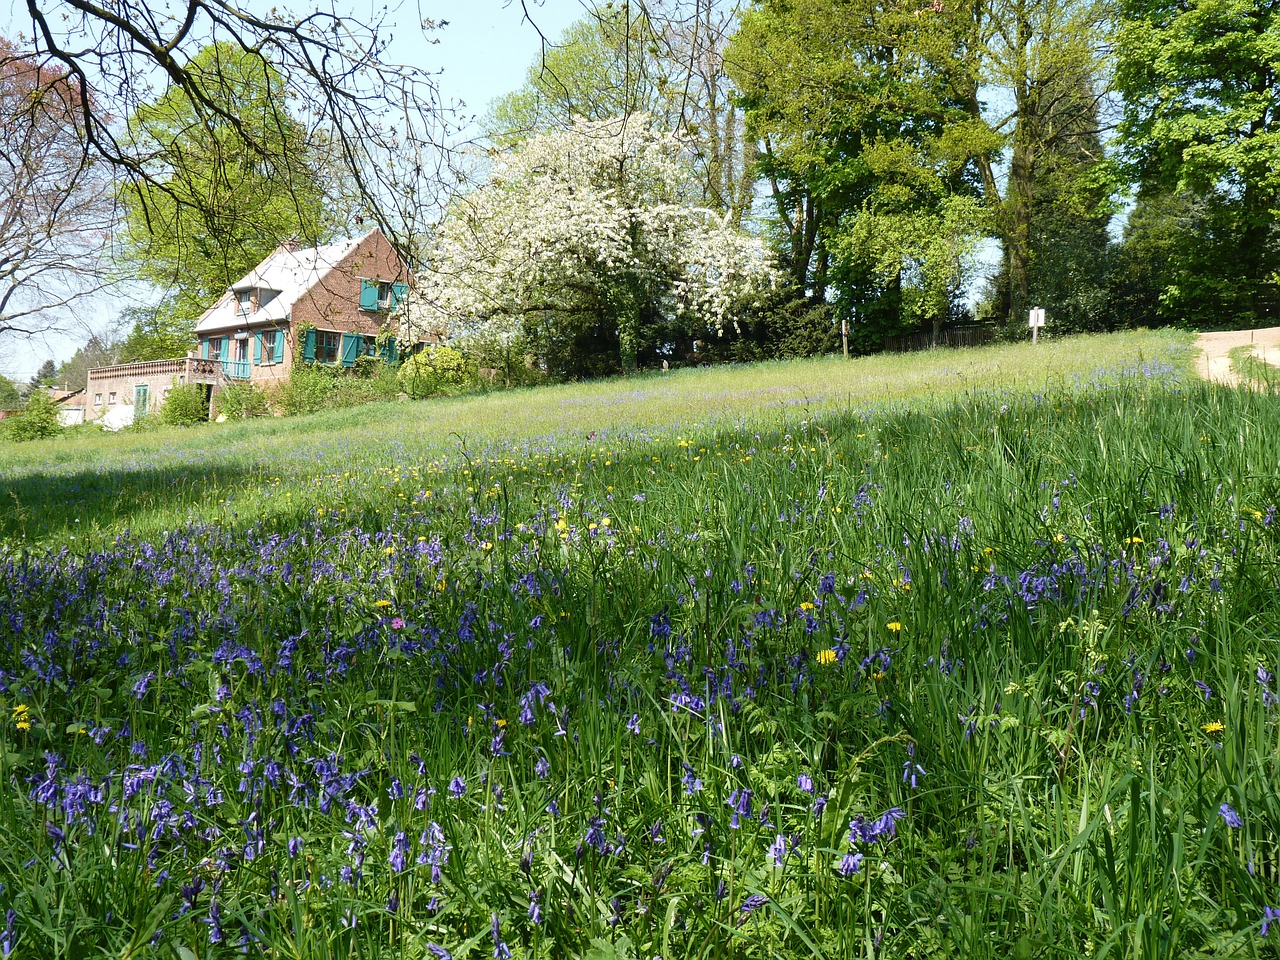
(806, 606)
(24, 724)
(382, 604)
(389, 551)
(1133, 540)
(827, 657)
(1214, 726)
(895, 626)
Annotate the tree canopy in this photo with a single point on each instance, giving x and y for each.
(212, 207)
(591, 236)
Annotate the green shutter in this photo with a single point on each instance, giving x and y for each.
(388, 351)
(204, 349)
(398, 291)
(368, 295)
(226, 349)
(279, 346)
(257, 347)
(351, 344)
(309, 346)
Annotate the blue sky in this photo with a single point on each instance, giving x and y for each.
(482, 53)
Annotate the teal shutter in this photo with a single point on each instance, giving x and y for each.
(368, 295)
(388, 352)
(204, 349)
(257, 347)
(279, 358)
(226, 349)
(398, 291)
(351, 344)
(309, 346)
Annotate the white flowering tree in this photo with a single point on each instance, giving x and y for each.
(587, 229)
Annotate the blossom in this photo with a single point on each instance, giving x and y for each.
(1269, 916)
(1230, 817)
(894, 625)
(826, 657)
(1213, 726)
(850, 864)
(457, 787)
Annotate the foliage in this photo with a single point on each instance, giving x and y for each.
(1202, 116)
(666, 61)
(74, 373)
(214, 206)
(437, 370)
(10, 399)
(38, 421)
(156, 332)
(239, 401)
(586, 234)
(477, 692)
(186, 405)
(312, 387)
(381, 121)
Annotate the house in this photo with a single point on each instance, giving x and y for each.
(327, 304)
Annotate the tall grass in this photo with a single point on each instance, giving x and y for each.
(991, 677)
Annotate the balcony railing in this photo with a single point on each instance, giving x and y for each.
(235, 369)
(183, 370)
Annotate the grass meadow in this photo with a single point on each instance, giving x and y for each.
(967, 654)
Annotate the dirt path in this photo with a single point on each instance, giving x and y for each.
(1215, 365)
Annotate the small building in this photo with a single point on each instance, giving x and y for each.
(327, 304)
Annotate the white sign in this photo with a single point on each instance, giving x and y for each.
(1037, 321)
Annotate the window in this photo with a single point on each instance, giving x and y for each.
(242, 350)
(215, 348)
(269, 346)
(327, 346)
(97, 399)
(370, 346)
(384, 296)
(111, 397)
(244, 301)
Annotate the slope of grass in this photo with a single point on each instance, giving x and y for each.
(87, 485)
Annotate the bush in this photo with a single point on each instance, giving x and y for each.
(313, 387)
(437, 371)
(184, 406)
(240, 401)
(39, 419)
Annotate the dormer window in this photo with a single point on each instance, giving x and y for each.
(380, 295)
(244, 302)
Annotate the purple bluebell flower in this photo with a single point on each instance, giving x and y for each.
(295, 847)
(753, 903)
(850, 864)
(1205, 689)
(1230, 817)
(805, 783)
(778, 850)
(535, 910)
(457, 787)
(740, 801)
(1269, 916)
(500, 950)
(439, 952)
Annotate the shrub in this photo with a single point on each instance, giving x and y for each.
(240, 401)
(39, 419)
(436, 371)
(184, 406)
(313, 387)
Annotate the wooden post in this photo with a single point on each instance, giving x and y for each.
(844, 335)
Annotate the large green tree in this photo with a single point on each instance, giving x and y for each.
(868, 151)
(904, 110)
(217, 200)
(1201, 84)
